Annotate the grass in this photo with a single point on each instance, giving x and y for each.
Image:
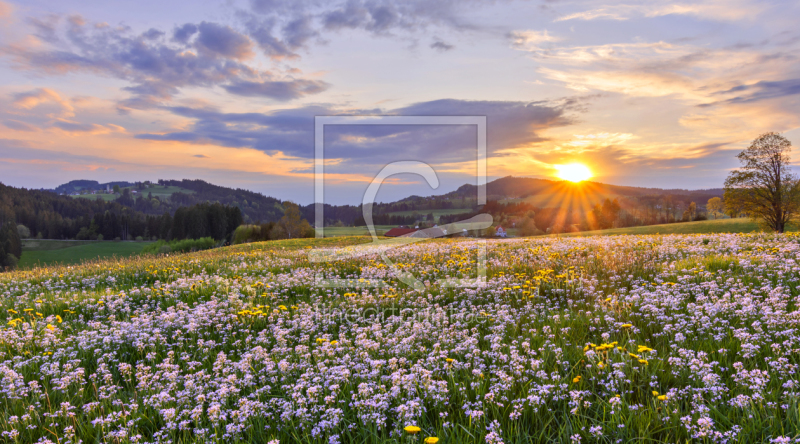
(436, 213)
(602, 339)
(355, 231)
(37, 253)
(739, 225)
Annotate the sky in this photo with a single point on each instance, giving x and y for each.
(644, 93)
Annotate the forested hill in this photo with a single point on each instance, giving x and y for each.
(48, 215)
(255, 207)
(166, 196)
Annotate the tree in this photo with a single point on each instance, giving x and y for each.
(23, 231)
(764, 186)
(690, 212)
(116, 189)
(291, 222)
(715, 206)
(10, 245)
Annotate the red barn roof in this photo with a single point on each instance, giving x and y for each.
(397, 232)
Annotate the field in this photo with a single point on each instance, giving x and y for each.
(740, 225)
(355, 231)
(157, 191)
(51, 252)
(436, 213)
(604, 339)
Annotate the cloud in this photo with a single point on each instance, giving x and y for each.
(278, 90)
(202, 156)
(205, 55)
(441, 46)
(19, 126)
(763, 90)
(281, 28)
(291, 131)
(75, 128)
(42, 96)
(530, 40)
(727, 10)
(223, 41)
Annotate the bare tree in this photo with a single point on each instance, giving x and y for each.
(764, 186)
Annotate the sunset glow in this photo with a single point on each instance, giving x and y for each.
(573, 172)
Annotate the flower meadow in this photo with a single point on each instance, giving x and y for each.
(673, 339)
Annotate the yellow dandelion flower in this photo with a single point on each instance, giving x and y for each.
(626, 326)
(412, 429)
(431, 440)
(576, 379)
(50, 327)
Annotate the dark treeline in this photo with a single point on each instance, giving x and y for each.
(621, 212)
(10, 244)
(50, 216)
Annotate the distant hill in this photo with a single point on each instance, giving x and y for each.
(512, 194)
(543, 193)
(168, 195)
(75, 186)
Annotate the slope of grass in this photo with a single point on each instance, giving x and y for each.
(740, 225)
(592, 340)
(51, 252)
(436, 213)
(355, 231)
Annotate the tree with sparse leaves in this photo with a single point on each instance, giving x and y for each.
(715, 206)
(764, 187)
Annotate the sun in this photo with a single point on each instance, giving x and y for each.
(574, 172)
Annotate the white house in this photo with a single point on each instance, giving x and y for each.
(500, 232)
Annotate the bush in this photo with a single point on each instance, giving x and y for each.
(23, 231)
(139, 238)
(11, 261)
(117, 239)
(99, 237)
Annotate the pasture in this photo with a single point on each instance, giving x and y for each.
(52, 252)
(602, 339)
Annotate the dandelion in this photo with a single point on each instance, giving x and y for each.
(576, 379)
(50, 327)
(431, 440)
(626, 326)
(412, 429)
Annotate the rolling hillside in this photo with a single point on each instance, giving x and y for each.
(738, 225)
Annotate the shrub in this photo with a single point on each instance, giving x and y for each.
(11, 261)
(99, 237)
(139, 238)
(117, 239)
